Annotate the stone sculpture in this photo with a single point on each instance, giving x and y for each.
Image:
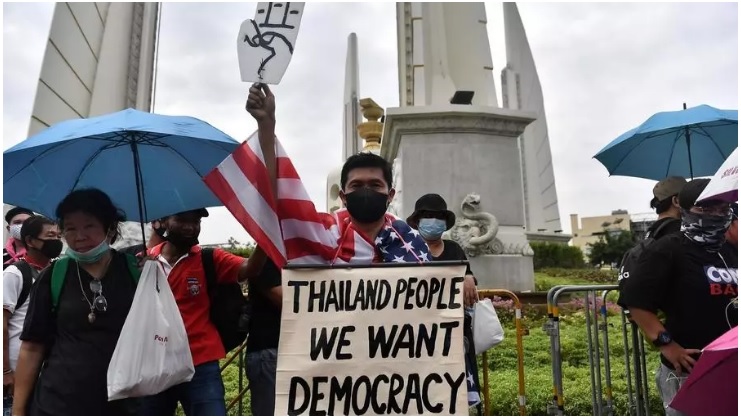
(476, 232)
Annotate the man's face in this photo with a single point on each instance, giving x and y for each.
(366, 177)
(186, 225)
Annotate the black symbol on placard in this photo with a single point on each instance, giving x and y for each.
(265, 39)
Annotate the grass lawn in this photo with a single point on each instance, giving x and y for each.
(502, 362)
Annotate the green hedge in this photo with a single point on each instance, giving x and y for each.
(590, 275)
(554, 255)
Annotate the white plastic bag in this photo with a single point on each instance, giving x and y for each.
(152, 353)
(487, 330)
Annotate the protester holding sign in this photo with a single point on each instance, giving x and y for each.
(282, 218)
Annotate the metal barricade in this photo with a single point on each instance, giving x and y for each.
(520, 331)
(596, 323)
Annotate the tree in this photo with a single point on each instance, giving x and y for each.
(611, 247)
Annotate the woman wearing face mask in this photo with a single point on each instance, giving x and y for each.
(692, 277)
(432, 218)
(75, 338)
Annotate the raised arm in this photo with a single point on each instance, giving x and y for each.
(261, 105)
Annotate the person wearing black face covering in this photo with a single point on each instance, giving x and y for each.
(41, 239)
(182, 260)
(365, 232)
(691, 277)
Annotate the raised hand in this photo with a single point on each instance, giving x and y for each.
(261, 103)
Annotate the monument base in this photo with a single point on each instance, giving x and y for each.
(510, 272)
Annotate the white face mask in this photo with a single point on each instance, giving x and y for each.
(15, 231)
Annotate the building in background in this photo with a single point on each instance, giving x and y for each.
(589, 230)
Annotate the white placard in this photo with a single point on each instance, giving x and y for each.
(265, 44)
(372, 341)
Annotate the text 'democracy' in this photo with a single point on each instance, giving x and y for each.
(377, 341)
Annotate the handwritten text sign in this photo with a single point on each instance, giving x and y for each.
(375, 341)
(265, 44)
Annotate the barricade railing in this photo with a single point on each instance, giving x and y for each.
(520, 331)
(596, 319)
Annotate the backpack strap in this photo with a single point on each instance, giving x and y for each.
(58, 274)
(28, 277)
(209, 268)
(133, 264)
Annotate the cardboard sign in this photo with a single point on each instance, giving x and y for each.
(265, 44)
(372, 341)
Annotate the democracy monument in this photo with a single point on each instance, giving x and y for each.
(449, 134)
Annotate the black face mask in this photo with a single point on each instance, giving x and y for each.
(366, 205)
(180, 241)
(52, 248)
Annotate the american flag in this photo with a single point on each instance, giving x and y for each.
(290, 229)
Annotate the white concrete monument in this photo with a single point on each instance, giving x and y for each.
(521, 90)
(99, 59)
(467, 153)
(351, 117)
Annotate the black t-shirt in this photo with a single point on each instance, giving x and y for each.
(452, 251)
(264, 329)
(73, 379)
(664, 227)
(691, 286)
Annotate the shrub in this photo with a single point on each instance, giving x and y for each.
(555, 255)
(590, 275)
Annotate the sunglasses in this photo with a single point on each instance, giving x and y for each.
(99, 302)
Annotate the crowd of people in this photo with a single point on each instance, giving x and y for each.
(62, 320)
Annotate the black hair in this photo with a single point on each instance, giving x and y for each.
(663, 206)
(363, 160)
(33, 226)
(95, 203)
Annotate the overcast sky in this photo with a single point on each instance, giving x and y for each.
(604, 68)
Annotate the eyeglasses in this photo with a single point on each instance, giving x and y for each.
(99, 302)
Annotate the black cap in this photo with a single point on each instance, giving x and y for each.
(691, 191)
(201, 212)
(432, 202)
(17, 211)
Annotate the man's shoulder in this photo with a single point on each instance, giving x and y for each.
(11, 272)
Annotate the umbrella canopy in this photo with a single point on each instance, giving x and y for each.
(150, 165)
(712, 387)
(690, 143)
(724, 184)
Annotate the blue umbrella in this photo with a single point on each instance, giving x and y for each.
(150, 165)
(689, 143)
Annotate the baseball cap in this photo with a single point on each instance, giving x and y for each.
(668, 187)
(201, 212)
(691, 191)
